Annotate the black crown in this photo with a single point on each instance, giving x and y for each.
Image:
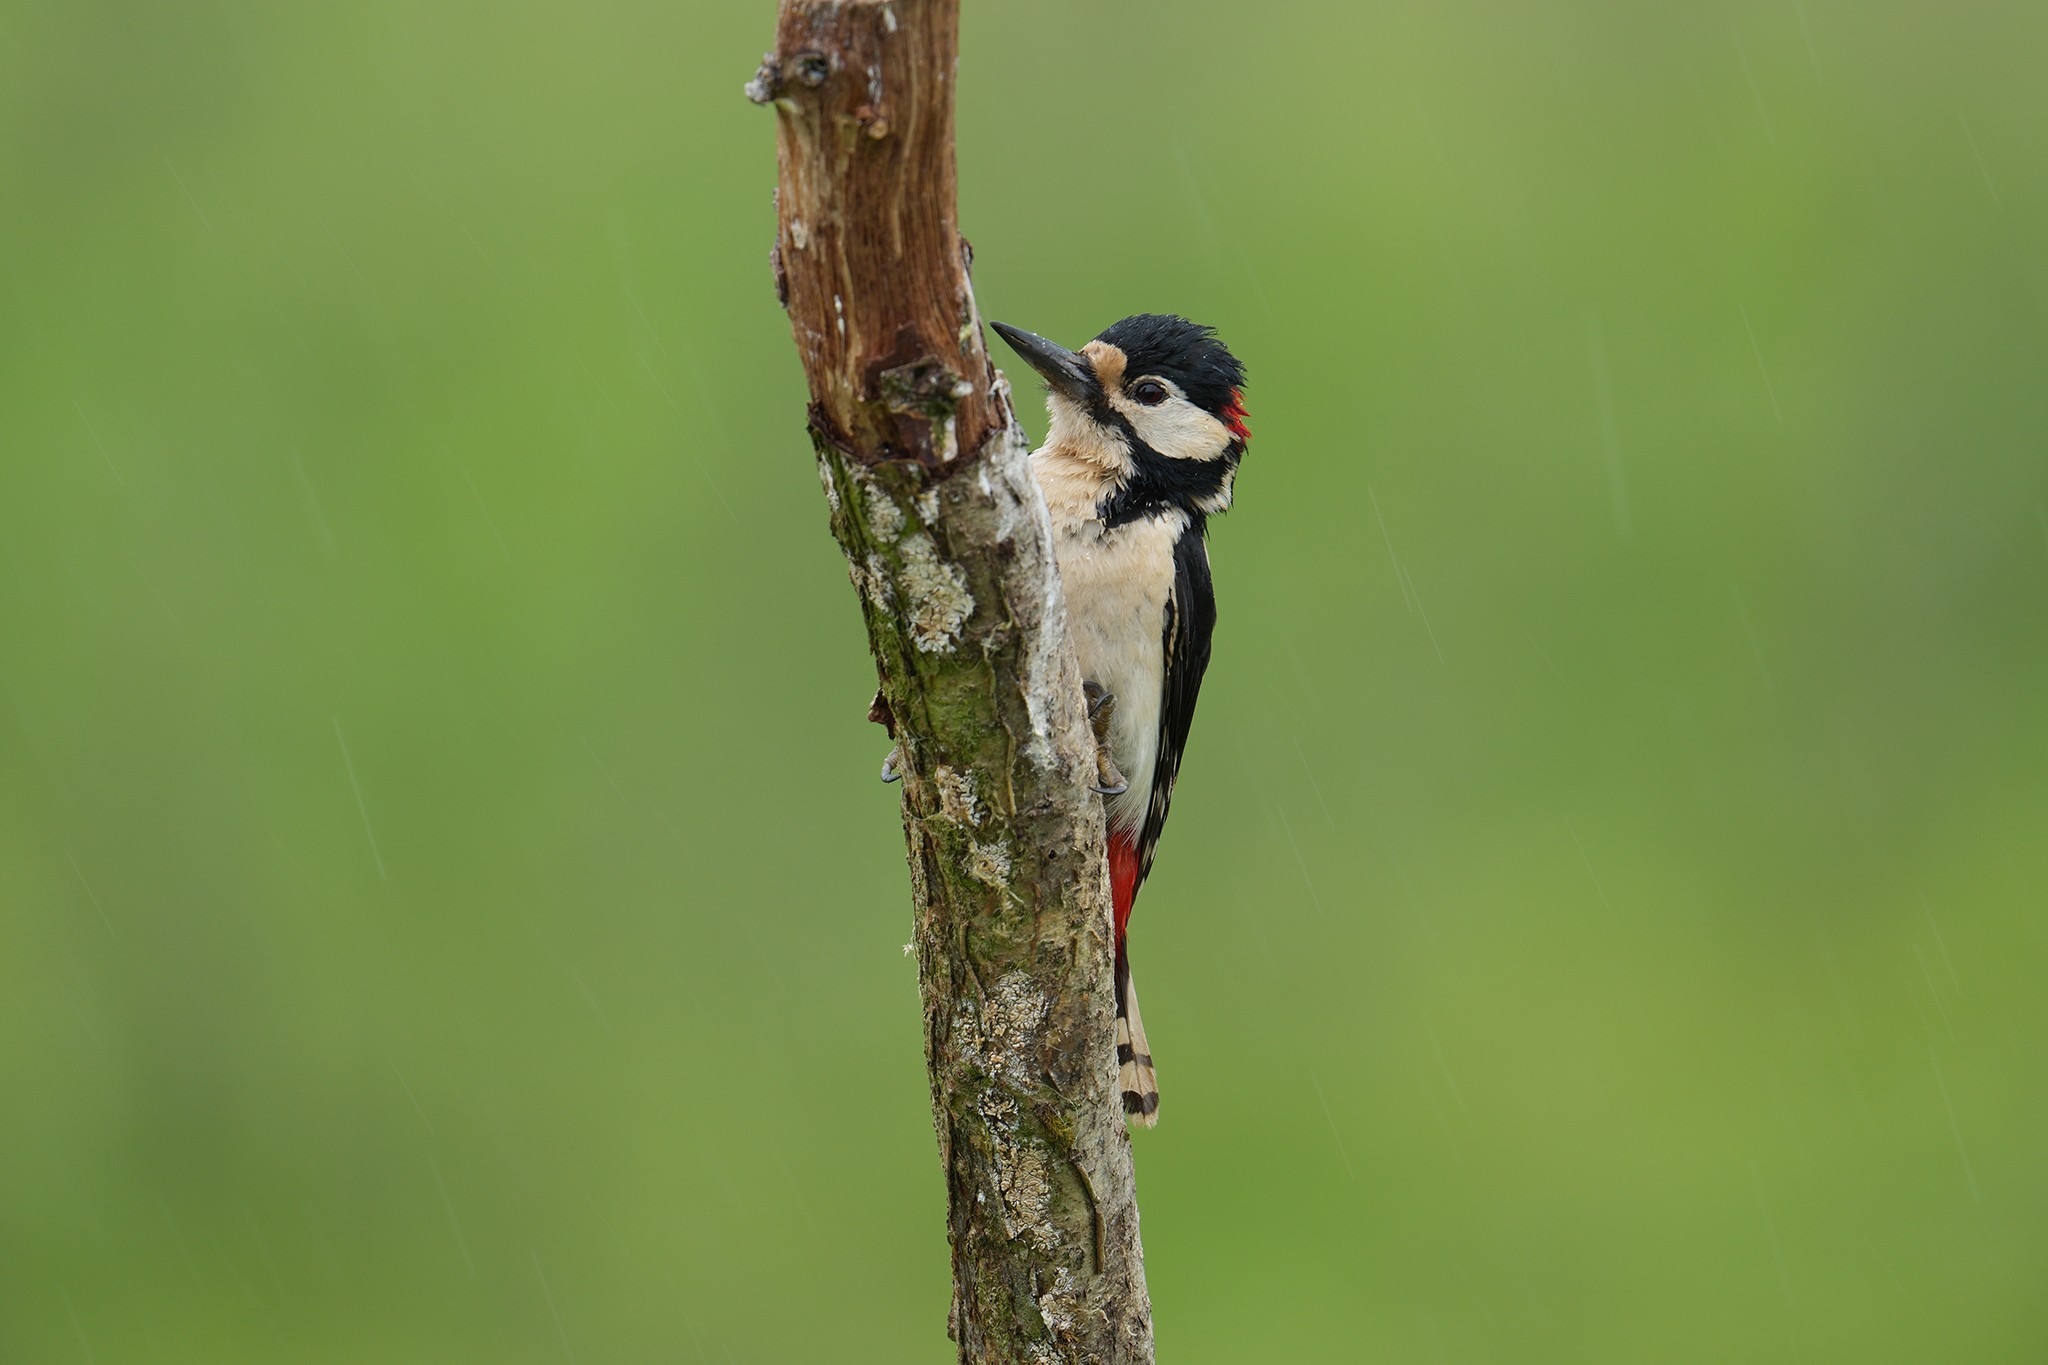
(1185, 352)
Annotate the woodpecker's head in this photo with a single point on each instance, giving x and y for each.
(1153, 408)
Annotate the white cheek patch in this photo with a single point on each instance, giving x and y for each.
(1176, 428)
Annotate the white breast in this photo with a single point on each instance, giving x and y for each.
(1116, 584)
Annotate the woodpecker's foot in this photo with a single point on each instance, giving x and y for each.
(891, 772)
(1101, 706)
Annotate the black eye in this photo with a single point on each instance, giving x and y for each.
(1150, 392)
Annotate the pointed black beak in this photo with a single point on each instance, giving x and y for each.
(1068, 374)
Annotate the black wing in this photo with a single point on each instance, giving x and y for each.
(1190, 622)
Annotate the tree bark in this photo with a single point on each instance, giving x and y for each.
(946, 537)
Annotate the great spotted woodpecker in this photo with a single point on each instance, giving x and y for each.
(1148, 426)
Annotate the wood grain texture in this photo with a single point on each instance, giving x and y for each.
(950, 550)
(872, 266)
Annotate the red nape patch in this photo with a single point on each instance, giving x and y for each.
(1123, 879)
(1234, 417)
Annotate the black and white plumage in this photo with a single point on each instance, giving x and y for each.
(1148, 428)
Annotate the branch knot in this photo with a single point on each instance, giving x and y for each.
(809, 69)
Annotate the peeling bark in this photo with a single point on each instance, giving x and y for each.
(948, 544)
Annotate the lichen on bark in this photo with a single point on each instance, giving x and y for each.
(1012, 928)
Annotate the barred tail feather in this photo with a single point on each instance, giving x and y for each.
(1134, 1074)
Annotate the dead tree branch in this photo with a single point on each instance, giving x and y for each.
(946, 537)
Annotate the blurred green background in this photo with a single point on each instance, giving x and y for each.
(447, 911)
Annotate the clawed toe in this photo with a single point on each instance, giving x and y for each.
(1101, 708)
